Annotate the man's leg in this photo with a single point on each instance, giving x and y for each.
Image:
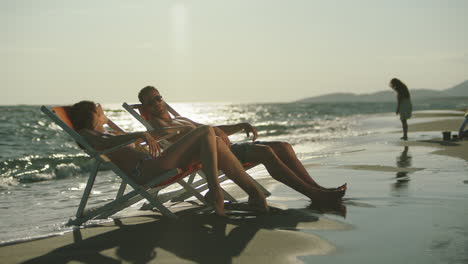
(278, 170)
(288, 156)
(234, 170)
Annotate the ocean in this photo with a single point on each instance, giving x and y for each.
(43, 172)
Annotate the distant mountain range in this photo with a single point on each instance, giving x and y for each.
(459, 91)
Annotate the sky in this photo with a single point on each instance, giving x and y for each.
(61, 51)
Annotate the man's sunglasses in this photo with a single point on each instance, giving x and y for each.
(156, 98)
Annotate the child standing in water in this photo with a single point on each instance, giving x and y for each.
(404, 107)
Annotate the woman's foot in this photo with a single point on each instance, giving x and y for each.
(219, 210)
(217, 202)
(258, 203)
(208, 197)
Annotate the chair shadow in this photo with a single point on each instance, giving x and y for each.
(202, 238)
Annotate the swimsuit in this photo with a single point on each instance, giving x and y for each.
(136, 172)
(405, 108)
(240, 150)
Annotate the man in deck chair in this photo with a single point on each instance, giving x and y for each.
(279, 158)
(199, 144)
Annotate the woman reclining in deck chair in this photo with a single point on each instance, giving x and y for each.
(279, 158)
(200, 144)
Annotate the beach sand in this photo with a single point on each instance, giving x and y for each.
(201, 238)
(406, 202)
(452, 148)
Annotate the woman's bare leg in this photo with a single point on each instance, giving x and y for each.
(234, 170)
(404, 124)
(198, 144)
(281, 172)
(286, 154)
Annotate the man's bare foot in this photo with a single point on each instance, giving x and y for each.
(328, 196)
(338, 193)
(342, 187)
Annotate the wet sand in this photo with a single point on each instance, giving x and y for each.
(406, 202)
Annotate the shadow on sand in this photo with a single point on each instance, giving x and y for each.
(196, 237)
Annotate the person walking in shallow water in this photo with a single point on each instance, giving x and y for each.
(404, 107)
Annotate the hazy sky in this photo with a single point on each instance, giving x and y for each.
(58, 52)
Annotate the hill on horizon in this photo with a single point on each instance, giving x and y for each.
(457, 91)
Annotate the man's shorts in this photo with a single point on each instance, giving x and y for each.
(240, 150)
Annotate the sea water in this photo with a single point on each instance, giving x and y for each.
(43, 173)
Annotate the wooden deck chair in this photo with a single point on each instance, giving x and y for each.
(200, 184)
(149, 191)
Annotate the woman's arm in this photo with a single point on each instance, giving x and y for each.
(398, 105)
(103, 141)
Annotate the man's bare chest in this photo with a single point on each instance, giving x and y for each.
(180, 122)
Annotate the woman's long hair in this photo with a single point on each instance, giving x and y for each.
(400, 88)
(81, 115)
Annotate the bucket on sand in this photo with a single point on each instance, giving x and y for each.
(446, 135)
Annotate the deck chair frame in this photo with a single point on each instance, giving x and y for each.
(200, 184)
(148, 191)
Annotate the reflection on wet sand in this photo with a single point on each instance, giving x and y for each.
(333, 208)
(403, 161)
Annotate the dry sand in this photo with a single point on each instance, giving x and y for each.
(451, 121)
(439, 125)
(453, 148)
(458, 149)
